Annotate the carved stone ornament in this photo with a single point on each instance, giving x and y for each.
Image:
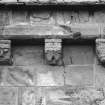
(5, 52)
(53, 51)
(100, 50)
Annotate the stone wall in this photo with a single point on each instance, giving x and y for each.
(80, 80)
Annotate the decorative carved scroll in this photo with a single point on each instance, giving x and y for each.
(5, 52)
(53, 51)
(100, 50)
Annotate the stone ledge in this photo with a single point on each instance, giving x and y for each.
(53, 2)
(74, 31)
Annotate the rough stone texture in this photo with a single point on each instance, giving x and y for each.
(53, 1)
(85, 54)
(30, 79)
(72, 96)
(5, 52)
(8, 96)
(29, 55)
(100, 49)
(27, 96)
(19, 76)
(41, 17)
(50, 22)
(50, 76)
(79, 75)
(100, 76)
(53, 51)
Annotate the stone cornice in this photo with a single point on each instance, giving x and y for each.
(52, 2)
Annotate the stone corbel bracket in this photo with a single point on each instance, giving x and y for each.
(100, 50)
(5, 52)
(53, 51)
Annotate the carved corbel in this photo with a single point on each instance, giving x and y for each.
(5, 52)
(100, 50)
(53, 51)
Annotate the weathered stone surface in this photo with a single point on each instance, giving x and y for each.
(46, 31)
(98, 15)
(58, 17)
(50, 75)
(72, 96)
(27, 95)
(83, 16)
(8, 1)
(79, 75)
(100, 76)
(29, 55)
(78, 54)
(8, 96)
(41, 17)
(100, 49)
(5, 52)
(53, 51)
(88, 30)
(19, 17)
(18, 76)
(60, 1)
(102, 30)
(35, 30)
(42, 75)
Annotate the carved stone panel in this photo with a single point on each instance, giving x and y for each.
(5, 52)
(100, 50)
(53, 51)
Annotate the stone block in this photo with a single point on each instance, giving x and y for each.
(41, 17)
(18, 76)
(78, 54)
(100, 76)
(86, 1)
(67, 17)
(8, 1)
(8, 96)
(58, 17)
(72, 96)
(19, 17)
(100, 50)
(98, 15)
(74, 17)
(5, 17)
(83, 16)
(79, 75)
(28, 55)
(87, 30)
(27, 95)
(48, 75)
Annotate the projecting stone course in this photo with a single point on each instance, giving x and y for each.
(55, 1)
(41, 23)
